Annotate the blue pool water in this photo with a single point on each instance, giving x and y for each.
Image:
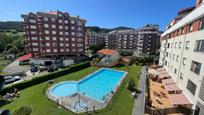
(96, 85)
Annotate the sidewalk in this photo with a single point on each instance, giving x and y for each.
(139, 103)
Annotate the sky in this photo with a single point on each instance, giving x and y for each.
(102, 13)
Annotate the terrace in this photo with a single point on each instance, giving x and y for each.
(164, 94)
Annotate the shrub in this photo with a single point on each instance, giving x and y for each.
(23, 110)
(41, 79)
(131, 85)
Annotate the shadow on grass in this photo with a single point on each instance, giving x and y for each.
(119, 66)
(3, 102)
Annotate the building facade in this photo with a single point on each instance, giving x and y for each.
(54, 34)
(144, 40)
(182, 55)
(148, 39)
(96, 39)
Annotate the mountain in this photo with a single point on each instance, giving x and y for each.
(11, 25)
(105, 30)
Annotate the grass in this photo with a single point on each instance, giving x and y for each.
(3, 63)
(34, 96)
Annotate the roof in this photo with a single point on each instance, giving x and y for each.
(172, 87)
(179, 99)
(107, 51)
(194, 15)
(25, 57)
(168, 81)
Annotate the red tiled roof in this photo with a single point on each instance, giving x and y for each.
(107, 51)
(179, 99)
(25, 57)
(172, 87)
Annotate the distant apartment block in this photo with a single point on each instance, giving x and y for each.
(182, 53)
(54, 34)
(96, 39)
(144, 40)
(148, 39)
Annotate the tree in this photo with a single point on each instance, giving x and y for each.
(131, 85)
(23, 110)
(5, 39)
(2, 82)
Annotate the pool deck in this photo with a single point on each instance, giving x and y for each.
(69, 102)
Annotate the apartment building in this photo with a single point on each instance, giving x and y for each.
(148, 39)
(96, 39)
(144, 40)
(182, 54)
(54, 33)
(121, 40)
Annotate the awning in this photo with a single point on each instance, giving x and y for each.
(179, 99)
(168, 81)
(172, 88)
(152, 71)
(164, 75)
(25, 57)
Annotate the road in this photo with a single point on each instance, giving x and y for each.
(139, 103)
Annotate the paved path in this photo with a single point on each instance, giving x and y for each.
(140, 100)
(15, 68)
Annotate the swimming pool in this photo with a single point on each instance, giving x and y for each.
(96, 85)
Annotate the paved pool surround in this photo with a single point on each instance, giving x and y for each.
(83, 97)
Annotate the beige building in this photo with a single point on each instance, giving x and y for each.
(182, 54)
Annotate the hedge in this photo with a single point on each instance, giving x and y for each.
(44, 78)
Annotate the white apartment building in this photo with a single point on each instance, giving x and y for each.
(182, 54)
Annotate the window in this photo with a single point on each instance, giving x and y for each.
(54, 44)
(61, 44)
(53, 32)
(53, 19)
(177, 58)
(46, 25)
(191, 87)
(72, 28)
(195, 67)
(199, 46)
(46, 32)
(184, 61)
(54, 38)
(61, 39)
(53, 26)
(66, 27)
(55, 50)
(187, 44)
(47, 50)
(181, 76)
(190, 29)
(47, 38)
(72, 22)
(168, 45)
(183, 30)
(60, 27)
(60, 33)
(34, 38)
(66, 21)
(175, 44)
(47, 44)
(73, 33)
(202, 23)
(180, 43)
(45, 18)
(32, 21)
(61, 50)
(33, 27)
(60, 21)
(35, 44)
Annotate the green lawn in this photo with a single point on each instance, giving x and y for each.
(34, 96)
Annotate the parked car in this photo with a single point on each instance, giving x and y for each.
(43, 68)
(10, 79)
(52, 69)
(33, 69)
